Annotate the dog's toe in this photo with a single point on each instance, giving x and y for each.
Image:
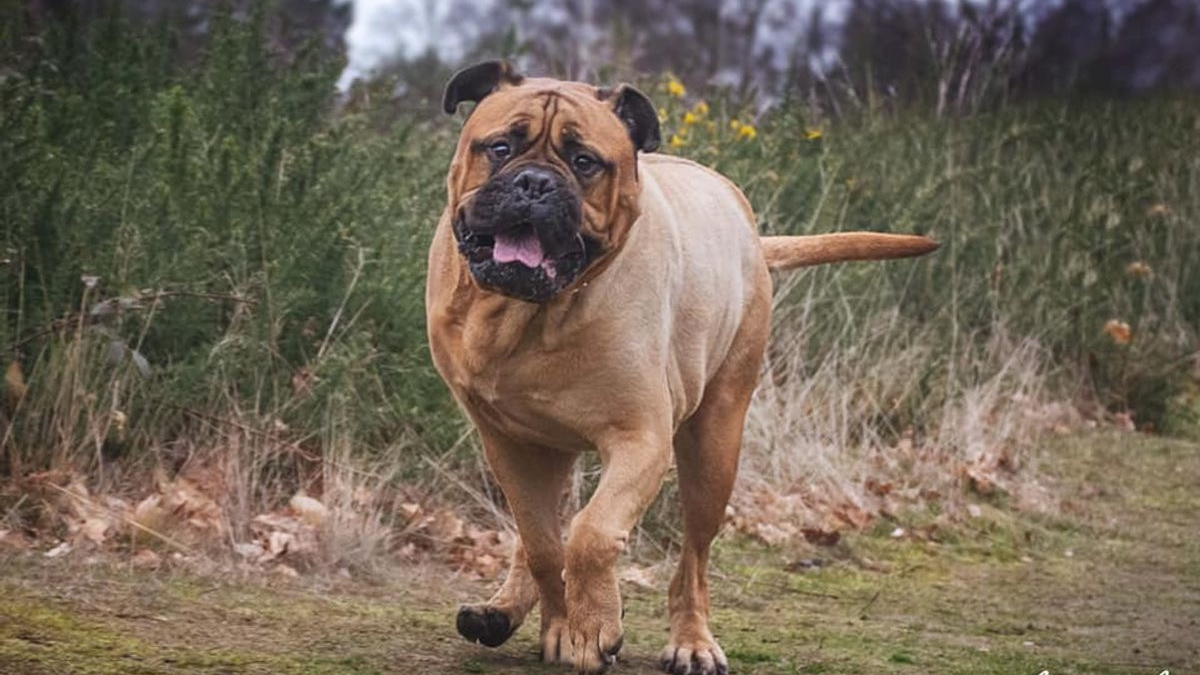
(486, 625)
(694, 659)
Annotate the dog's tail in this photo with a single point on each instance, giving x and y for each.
(784, 253)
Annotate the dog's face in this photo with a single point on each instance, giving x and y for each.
(544, 181)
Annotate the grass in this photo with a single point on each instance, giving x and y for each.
(1109, 585)
(214, 263)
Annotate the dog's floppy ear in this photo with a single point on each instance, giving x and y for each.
(475, 82)
(637, 113)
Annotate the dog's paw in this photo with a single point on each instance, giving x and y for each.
(556, 641)
(594, 648)
(594, 624)
(702, 656)
(486, 625)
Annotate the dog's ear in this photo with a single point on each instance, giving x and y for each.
(637, 113)
(475, 82)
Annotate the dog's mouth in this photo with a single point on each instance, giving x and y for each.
(521, 262)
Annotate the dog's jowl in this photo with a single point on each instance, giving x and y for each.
(586, 294)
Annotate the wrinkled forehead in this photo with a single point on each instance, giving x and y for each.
(566, 109)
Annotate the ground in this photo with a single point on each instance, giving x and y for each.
(1110, 584)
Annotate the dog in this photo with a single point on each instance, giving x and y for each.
(586, 294)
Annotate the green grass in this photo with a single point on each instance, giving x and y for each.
(267, 249)
(1124, 600)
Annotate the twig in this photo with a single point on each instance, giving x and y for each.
(292, 447)
(342, 307)
(183, 547)
(863, 612)
(81, 318)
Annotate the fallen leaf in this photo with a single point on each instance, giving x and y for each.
(411, 511)
(286, 571)
(302, 381)
(820, 537)
(979, 483)
(249, 550)
(310, 510)
(1139, 269)
(94, 530)
(150, 514)
(444, 526)
(13, 539)
(14, 383)
(1119, 331)
(58, 551)
(642, 577)
(879, 488)
(146, 559)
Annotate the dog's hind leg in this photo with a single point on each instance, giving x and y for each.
(707, 447)
(533, 480)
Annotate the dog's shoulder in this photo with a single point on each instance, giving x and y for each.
(690, 181)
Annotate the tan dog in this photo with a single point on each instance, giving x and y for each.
(584, 296)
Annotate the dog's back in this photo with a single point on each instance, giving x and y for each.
(704, 245)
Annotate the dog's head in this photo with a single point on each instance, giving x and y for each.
(544, 182)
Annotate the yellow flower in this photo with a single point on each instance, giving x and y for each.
(676, 141)
(1119, 331)
(700, 108)
(1139, 269)
(689, 118)
(747, 132)
(662, 115)
(812, 134)
(710, 125)
(675, 88)
(735, 124)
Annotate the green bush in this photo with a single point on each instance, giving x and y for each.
(290, 240)
(270, 247)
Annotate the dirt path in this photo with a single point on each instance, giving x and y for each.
(1111, 586)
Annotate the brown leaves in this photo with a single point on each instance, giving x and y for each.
(641, 577)
(186, 504)
(477, 551)
(1139, 269)
(978, 481)
(1118, 331)
(821, 537)
(13, 540)
(146, 559)
(14, 384)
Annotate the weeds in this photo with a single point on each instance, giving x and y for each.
(210, 267)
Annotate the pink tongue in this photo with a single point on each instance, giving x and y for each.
(526, 248)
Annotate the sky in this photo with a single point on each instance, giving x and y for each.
(383, 29)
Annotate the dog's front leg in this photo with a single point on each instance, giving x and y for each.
(533, 479)
(635, 463)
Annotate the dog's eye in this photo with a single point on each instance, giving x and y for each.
(585, 164)
(500, 150)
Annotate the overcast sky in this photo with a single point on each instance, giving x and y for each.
(383, 29)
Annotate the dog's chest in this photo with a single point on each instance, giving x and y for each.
(527, 401)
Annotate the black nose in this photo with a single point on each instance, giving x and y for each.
(534, 182)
